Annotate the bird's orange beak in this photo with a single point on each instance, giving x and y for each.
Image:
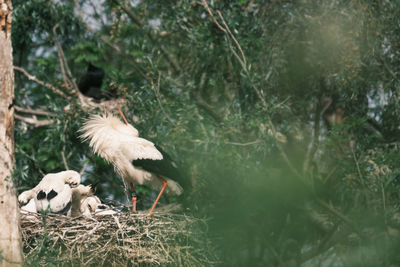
(122, 114)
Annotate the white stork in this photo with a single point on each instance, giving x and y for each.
(80, 194)
(27, 210)
(53, 193)
(135, 160)
(93, 205)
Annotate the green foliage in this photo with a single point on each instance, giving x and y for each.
(308, 176)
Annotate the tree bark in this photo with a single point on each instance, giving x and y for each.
(10, 236)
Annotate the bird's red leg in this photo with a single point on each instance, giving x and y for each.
(122, 114)
(158, 197)
(133, 197)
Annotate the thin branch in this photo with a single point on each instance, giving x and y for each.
(34, 111)
(33, 121)
(47, 85)
(60, 58)
(205, 4)
(64, 65)
(243, 61)
(63, 149)
(84, 167)
(243, 144)
(64, 159)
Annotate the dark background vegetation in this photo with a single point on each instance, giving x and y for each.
(284, 115)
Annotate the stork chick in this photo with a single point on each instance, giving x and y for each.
(53, 193)
(79, 194)
(135, 160)
(93, 205)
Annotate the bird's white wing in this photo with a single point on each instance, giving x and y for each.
(62, 199)
(139, 148)
(116, 142)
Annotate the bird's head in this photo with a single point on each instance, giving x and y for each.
(84, 190)
(72, 178)
(92, 203)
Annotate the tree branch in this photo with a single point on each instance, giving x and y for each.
(66, 72)
(33, 121)
(64, 159)
(34, 111)
(47, 85)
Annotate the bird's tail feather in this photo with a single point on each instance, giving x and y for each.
(173, 188)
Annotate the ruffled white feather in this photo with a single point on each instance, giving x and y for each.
(119, 144)
(60, 183)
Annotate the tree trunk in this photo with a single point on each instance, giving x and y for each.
(10, 237)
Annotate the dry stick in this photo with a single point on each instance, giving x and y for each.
(47, 85)
(84, 101)
(227, 31)
(63, 158)
(64, 63)
(84, 167)
(35, 122)
(34, 111)
(244, 63)
(243, 144)
(205, 4)
(63, 149)
(64, 75)
(138, 22)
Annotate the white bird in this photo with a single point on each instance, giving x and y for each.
(93, 205)
(29, 210)
(135, 160)
(80, 194)
(53, 193)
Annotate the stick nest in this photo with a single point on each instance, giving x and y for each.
(122, 239)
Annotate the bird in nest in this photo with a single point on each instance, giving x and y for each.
(79, 195)
(53, 193)
(136, 160)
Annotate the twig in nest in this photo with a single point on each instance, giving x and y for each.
(123, 239)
